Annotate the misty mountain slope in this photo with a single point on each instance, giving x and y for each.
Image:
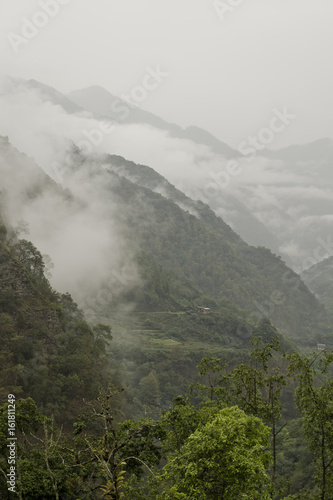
(255, 232)
(48, 93)
(321, 149)
(47, 351)
(212, 256)
(260, 210)
(101, 102)
(286, 205)
(55, 96)
(319, 279)
(86, 247)
(94, 235)
(225, 205)
(147, 177)
(22, 180)
(280, 200)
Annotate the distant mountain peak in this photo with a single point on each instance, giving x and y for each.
(98, 100)
(320, 148)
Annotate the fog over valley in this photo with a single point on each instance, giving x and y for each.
(166, 250)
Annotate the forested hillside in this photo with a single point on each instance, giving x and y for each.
(145, 213)
(319, 279)
(122, 397)
(186, 237)
(166, 251)
(48, 351)
(77, 437)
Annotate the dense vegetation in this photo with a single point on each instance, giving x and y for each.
(263, 417)
(196, 394)
(205, 250)
(48, 350)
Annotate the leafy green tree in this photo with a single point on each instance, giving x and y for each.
(225, 459)
(39, 469)
(30, 257)
(179, 422)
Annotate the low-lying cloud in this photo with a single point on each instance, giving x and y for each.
(279, 194)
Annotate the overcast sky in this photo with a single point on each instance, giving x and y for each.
(228, 67)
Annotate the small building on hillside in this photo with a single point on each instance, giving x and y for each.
(203, 310)
(321, 347)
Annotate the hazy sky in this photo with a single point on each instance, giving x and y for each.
(227, 66)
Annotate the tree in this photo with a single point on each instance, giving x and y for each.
(122, 448)
(30, 257)
(218, 384)
(225, 459)
(39, 467)
(179, 422)
(257, 386)
(314, 396)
